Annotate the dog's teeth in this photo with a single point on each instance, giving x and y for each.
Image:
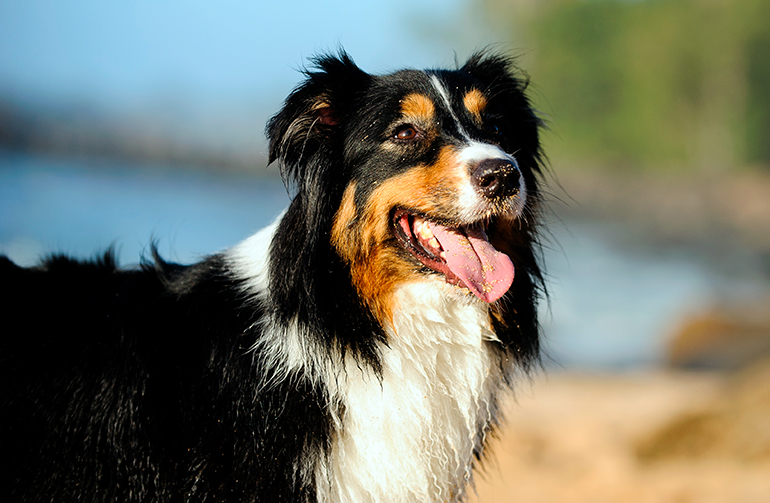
(422, 229)
(434, 243)
(442, 255)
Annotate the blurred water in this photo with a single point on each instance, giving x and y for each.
(613, 306)
(80, 207)
(613, 300)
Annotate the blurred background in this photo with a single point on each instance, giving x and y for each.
(123, 122)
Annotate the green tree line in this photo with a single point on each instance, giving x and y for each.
(679, 84)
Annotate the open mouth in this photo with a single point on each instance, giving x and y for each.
(462, 254)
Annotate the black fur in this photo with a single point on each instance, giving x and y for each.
(138, 385)
(141, 384)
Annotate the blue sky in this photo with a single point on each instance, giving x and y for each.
(123, 54)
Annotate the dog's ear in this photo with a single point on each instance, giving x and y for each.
(488, 67)
(314, 112)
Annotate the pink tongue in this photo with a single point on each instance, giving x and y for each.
(486, 272)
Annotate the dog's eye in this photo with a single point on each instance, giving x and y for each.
(406, 132)
(494, 128)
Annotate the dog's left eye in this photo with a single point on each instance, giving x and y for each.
(406, 132)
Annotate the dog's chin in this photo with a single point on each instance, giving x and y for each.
(461, 253)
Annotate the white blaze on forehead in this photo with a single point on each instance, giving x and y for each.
(442, 91)
(471, 204)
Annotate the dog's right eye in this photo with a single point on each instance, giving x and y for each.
(407, 132)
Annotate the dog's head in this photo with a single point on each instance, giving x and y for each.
(414, 176)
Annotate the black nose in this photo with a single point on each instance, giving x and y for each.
(496, 178)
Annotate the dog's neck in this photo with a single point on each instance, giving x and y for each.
(428, 413)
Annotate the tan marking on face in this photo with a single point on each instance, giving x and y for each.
(377, 268)
(418, 106)
(475, 102)
(430, 189)
(344, 236)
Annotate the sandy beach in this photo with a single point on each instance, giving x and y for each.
(652, 436)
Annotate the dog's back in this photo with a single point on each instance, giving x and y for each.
(138, 385)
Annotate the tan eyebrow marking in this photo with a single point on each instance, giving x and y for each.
(475, 101)
(418, 105)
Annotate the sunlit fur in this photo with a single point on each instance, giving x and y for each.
(318, 360)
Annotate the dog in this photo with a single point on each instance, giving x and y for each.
(355, 350)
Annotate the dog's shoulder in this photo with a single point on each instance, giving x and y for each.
(65, 306)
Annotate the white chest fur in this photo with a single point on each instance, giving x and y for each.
(411, 435)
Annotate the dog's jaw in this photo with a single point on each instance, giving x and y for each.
(463, 254)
